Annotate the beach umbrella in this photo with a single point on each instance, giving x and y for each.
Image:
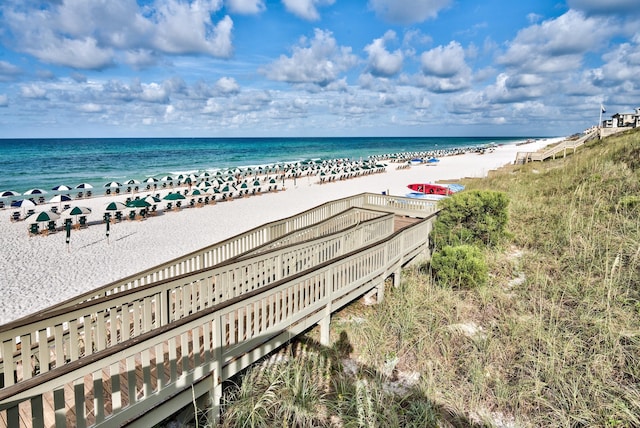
(113, 184)
(167, 178)
(78, 211)
(152, 199)
(35, 192)
(151, 180)
(132, 181)
(46, 216)
(84, 186)
(115, 206)
(8, 194)
(174, 196)
(23, 203)
(205, 175)
(61, 188)
(138, 203)
(60, 198)
(197, 192)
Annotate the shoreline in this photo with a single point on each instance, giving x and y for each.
(42, 270)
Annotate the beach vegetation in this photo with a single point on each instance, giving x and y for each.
(475, 217)
(459, 266)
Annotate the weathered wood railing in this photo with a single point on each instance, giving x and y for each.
(99, 323)
(565, 145)
(190, 321)
(254, 238)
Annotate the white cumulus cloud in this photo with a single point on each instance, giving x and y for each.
(227, 85)
(95, 35)
(318, 61)
(443, 61)
(556, 45)
(382, 62)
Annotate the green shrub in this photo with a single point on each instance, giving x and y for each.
(475, 217)
(462, 266)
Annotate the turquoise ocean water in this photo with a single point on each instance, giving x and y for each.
(45, 163)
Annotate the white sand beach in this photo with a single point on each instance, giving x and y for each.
(39, 271)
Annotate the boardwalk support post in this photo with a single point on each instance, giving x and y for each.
(380, 291)
(396, 278)
(325, 322)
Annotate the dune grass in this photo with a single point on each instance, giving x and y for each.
(552, 338)
(556, 332)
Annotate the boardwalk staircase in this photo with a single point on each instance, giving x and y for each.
(137, 350)
(562, 147)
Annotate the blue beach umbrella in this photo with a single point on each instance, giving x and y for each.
(60, 198)
(61, 188)
(9, 194)
(35, 192)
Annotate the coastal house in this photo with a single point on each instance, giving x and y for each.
(623, 120)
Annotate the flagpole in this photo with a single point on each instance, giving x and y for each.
(600, 121)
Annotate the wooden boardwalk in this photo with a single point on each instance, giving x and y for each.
(562, 148)
(139, 354)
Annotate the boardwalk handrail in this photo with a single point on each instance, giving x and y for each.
(553, 151)
(247, 241)
(205, 348)
(85, 328)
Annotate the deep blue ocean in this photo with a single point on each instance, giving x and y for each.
(45, 163)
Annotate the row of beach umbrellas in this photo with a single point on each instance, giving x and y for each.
(204, 176)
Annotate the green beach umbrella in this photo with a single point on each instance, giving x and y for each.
(46, 216)
(138, 203)
(115, 206)
(79, 211)
(174, 196)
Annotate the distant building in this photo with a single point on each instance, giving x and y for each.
(623, 120)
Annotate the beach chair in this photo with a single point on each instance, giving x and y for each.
(178, 205)
(169, 206)
(89, 194)
(51, 227)
(54, 209)
(15, 216)
(132, 215)
(118, 216)
(82, 221)
(80, 194)
(33, 229)
(1, 205)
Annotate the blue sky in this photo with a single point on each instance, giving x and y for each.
(224, 68)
